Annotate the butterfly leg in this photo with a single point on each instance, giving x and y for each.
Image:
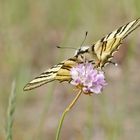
(114, 63)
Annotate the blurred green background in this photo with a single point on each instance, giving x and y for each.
(29, 32)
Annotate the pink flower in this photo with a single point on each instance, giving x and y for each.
(87, 78)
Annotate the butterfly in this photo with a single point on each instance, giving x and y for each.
(99, 54)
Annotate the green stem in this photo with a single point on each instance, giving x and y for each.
(10, 113)
(64, 114)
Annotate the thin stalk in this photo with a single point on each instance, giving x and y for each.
(64, 114)
(10, 112)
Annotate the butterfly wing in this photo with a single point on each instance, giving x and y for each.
(101, 52)
(60, 72)
(105, 47)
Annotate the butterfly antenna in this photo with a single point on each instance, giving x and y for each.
(59, 47)
(84, 39)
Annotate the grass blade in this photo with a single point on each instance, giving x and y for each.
(10, 112)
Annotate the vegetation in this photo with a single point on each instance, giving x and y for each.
(30, 30)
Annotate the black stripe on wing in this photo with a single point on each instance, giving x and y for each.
(105, 47)
(60, 72)
(45, 77)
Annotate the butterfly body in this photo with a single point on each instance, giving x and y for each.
(99, 54)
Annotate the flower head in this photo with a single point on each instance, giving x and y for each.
(87, 78)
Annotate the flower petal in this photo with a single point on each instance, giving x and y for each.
(90, 79)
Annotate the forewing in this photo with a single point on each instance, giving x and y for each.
(59, 72)
(105, 47)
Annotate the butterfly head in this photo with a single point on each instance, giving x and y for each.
(82, 50)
